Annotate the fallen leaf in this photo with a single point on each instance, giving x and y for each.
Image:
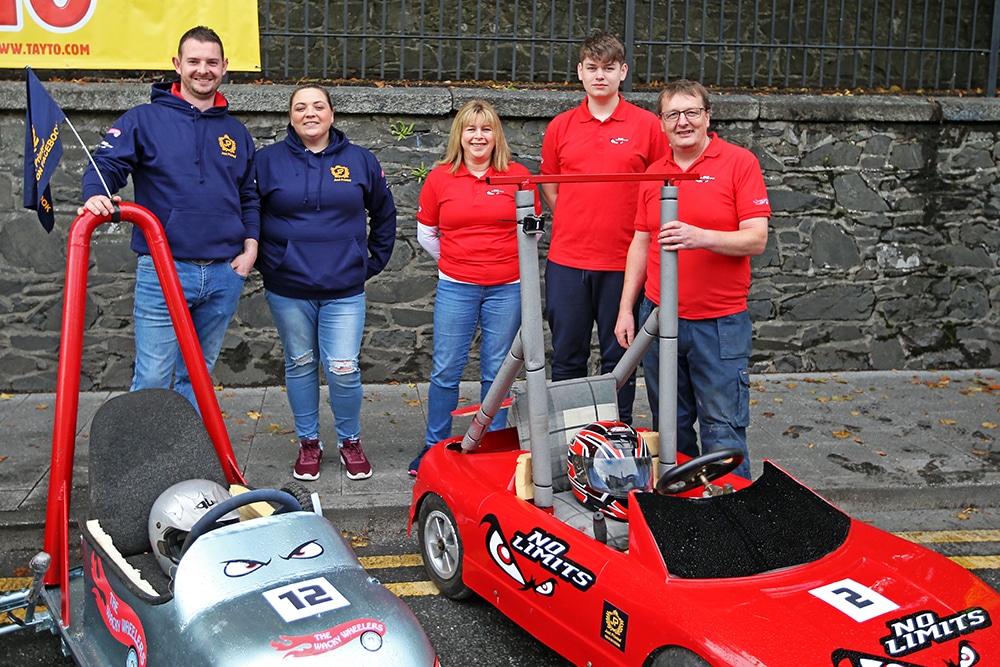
(6, 397)
(43, 406)
(753, 401)
(254, 415)
(2, 459)
(822, 399)
(413, 402)
(768, 414)
(855, 413)
(880, 452)
(241, 421)
(980, 452)
(779, 400)
(948, 422)
(842, 434)
(988, 425)
(811, 446)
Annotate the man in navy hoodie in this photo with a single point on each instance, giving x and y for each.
(190, 163)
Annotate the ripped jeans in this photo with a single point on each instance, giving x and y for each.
(333, 327)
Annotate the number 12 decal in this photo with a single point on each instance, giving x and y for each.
(305, 598)
(859, 602)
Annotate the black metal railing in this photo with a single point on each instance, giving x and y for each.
(896, 45)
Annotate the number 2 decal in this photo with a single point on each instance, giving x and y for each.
(305, 598)
(859, 602)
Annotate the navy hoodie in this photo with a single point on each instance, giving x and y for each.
(328, 220)
(193, 169)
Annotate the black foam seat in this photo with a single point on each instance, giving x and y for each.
(141, 443)
(772, 524)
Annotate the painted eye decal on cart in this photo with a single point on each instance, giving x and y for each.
(240, 567)
(539, 547)
(967, 657)
(499, 549)
(844, 658)
(501, 553)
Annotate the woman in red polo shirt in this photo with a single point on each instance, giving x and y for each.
(468, 226)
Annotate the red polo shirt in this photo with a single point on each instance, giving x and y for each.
(592, 223)
(476, 223)
(730, 188)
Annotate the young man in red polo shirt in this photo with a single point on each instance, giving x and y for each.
(592, 222)
(722, 223)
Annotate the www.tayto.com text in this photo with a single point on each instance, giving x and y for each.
(43, 49)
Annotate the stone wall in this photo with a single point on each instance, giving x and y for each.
(882, 254)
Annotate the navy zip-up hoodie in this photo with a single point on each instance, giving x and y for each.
(328, 220)
(193, 169)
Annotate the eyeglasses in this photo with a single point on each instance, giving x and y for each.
(690, 114)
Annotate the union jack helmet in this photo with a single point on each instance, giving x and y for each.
(606, 460)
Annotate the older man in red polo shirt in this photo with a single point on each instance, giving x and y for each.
(722, 223)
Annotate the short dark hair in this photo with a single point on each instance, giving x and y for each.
(602, 47)
(201, 34)
(683, 87)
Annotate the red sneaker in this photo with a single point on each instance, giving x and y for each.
(307, 465)
(355, 460)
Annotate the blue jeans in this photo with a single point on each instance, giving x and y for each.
(713, 383)
(458, 308)
(333, 327)
(212, 293)
(576, 299)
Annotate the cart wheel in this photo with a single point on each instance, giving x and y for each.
(301, 493)
(675, 656)
(441, 547)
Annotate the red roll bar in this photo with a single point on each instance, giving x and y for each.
(68, 383)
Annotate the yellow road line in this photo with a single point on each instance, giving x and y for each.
(942, 536)
(14, 584)
(413, 588)
(381, 562)
(977, 562)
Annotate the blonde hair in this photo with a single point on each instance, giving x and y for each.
(466, 116)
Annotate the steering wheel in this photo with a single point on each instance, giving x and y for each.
(699, 471)
(206, 523)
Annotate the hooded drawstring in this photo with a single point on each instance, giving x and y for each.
(309, 156)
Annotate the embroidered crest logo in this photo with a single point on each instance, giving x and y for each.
(341, 174)
(228, 146)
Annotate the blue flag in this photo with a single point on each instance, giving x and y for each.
(42, 149)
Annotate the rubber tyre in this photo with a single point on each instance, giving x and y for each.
(675, 656)
(301, 493)
(441, 547)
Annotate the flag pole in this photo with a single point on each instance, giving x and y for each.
(89, 157)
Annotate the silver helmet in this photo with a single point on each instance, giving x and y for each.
(175, 513)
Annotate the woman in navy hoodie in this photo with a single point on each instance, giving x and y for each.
(328, 223)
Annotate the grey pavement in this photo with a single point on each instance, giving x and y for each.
(867, 441)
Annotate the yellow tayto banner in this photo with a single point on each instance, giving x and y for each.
(121, 34)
